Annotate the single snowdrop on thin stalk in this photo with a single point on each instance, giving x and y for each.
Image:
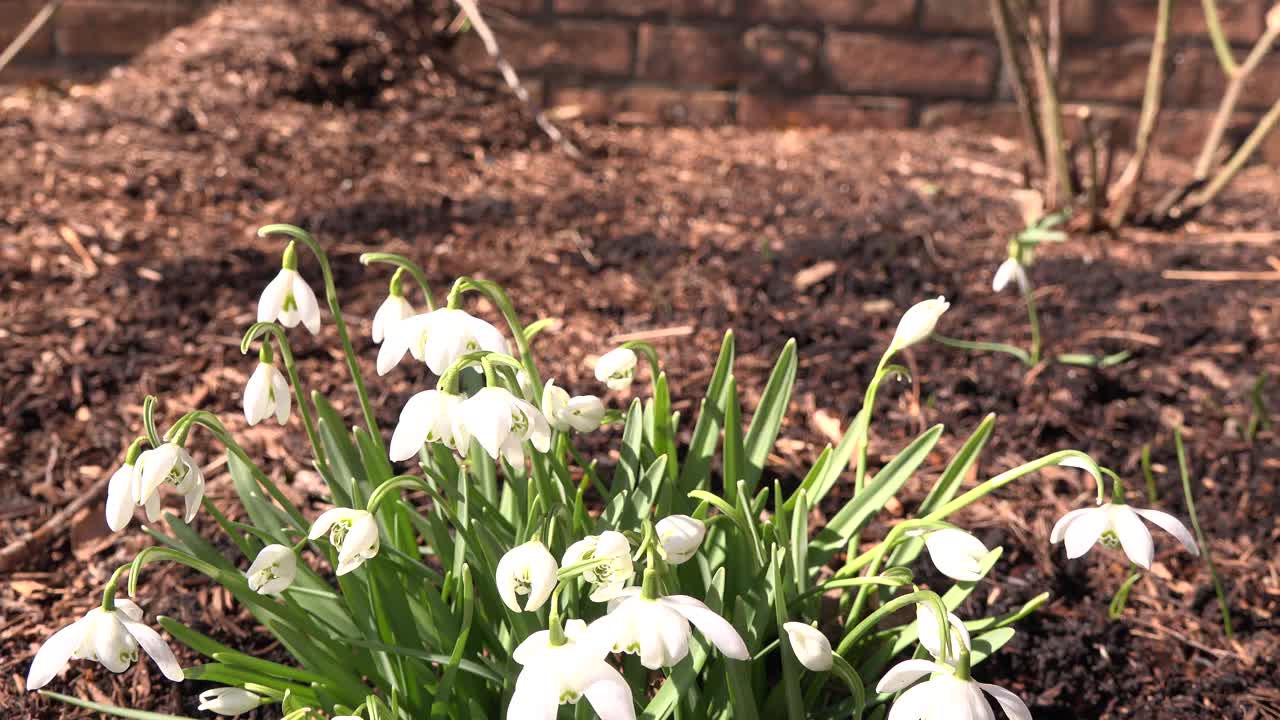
(720, 546)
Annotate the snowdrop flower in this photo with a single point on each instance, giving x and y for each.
(582, 412)
(1010, 269)
(266, 393)
(438, 338)
(353, 532)
(608, 578)
(617, 368)
(951, 693)
(273, 570)
(109, 637)
(930, 635)
(956, 554)
(528, 569)
(392, 310)
(428, 417)
(288, 298)
(917, 323)
(501, 423)
(171, 465)
(811, 647)
(120, 502)
(1116, 525)
(658, 630)
(228, 701)
(557, 674)
(679, 537)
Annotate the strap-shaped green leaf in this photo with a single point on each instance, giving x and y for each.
(767, 420)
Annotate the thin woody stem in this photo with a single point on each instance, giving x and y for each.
(1227, 107)
(1152, 100)
(1060, 190)
(1221, 47)
(1002, 22)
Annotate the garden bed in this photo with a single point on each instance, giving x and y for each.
(130, 266)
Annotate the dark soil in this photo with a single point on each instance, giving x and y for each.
(130, 266)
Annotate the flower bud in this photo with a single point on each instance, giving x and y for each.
(609, 577)
(392, 310)
(528, 569)
(582, 413)
(228, 701)
(1010, 269)
(679, 537)
(929, 633)
(956, 554)
(811, 647)
(917, 322)
(617, 368)
(273, 571)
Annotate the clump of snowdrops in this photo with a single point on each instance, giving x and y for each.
(477, 565)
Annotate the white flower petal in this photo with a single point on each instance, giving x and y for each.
(1004, 274)
(283, 396)
(956, 554)
(257, 394)
(610, 696)
(1012, 705)
(1135, 538)
(1084, 531)
(1060, 527)
(156, 647)
(308, 308)
(917, 702)
(907, 672)
(918, 322)
(537, 695)
(120, 498)
(719, 631)
(1173, 526)
(810, 646)
(272, 299)
(55, 653)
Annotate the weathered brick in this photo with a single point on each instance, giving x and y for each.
(1260, 90)
(834, 111)
(645, 105)
(975, 16)
(1182, 132)
(579, 46)
(988, 119)
(1119, 74)
(14, 16)
(642, 8)
(864, 62)
(1241, 19)
(689, 55)
(884, 13)
(518, 7)
(783, 59)
(97, 27)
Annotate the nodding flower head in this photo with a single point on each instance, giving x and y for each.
(948, 693)
(273, 570)
(353, 532)
(679, 537)
(918, 322)
(501, 423)
(170, 464)
(392, 310)
(609, 577)
(1117, 526)
(108, 637)
(266, 394)
(428, 417)
(288, 298)
(617, 368)
(438, 338)
(658, 629)
(528, 569)
(582, 413)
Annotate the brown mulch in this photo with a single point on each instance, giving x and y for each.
(129, 266)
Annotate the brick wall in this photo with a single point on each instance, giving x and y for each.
(856, 63)
(768, 63)
(85, 36)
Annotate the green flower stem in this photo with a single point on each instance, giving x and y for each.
(650, 354)
(962, 666)
(331, 294)
(499, 298)
(1033, 319)
(1195, 524)
(291, 369)
(649, 587)
(842, 669)
(450, 377)
(405, 265)
(894, 605)
(880, 552)
(979, 346)
(109, 592)
(864, 422)
(149, 420)
(158, 552)
(1007, 477)
(131, 455)
(391, 487)
(553, 620)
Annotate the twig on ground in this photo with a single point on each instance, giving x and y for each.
(472, 11)
(1220, 275)
(29, 32)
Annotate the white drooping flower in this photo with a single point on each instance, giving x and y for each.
(811, 647)
(228, 701)
(658, 629)
(353, 532)
(930, 635)
(501, 423)
(266, 393)
(108, 637)
(1010, 269)
(1118, 526)
(438, 338)
(917, 322)
(608, 578)
(556, 674)
(679, 537)
(289, 300)
(120, 501)
(956, 554)
(428, 417)
(617, 368)
(273, 570)
(171, 465)
(945, 694)
(392, 310)
(581, 412)
(528, 569)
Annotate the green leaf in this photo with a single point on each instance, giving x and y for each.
(112, 709)
(767, 420)
(872, 499)
(790, 665)
(697, 462)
